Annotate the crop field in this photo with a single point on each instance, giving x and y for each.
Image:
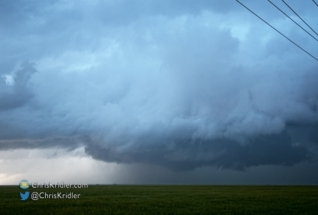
(135, 199)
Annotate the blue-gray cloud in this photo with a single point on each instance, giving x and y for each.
(180, 86)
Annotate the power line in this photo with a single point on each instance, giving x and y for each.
(277, 30)
(292, 20)
(300, 17)
(315, 2)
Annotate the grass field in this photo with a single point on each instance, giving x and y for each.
(153, 200)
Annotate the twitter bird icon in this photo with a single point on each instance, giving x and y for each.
(24, 196)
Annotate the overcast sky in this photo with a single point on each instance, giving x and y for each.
(158, 91)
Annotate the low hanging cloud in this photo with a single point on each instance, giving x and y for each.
(180, 88)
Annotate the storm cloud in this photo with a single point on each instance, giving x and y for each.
(180, 84)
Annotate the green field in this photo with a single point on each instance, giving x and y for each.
(167, 200)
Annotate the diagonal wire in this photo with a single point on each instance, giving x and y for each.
(315, 2)
(293, 20)
(300, 17)
(276, 30)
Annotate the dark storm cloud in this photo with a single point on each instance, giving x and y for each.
(275, 149)
(180, 84)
